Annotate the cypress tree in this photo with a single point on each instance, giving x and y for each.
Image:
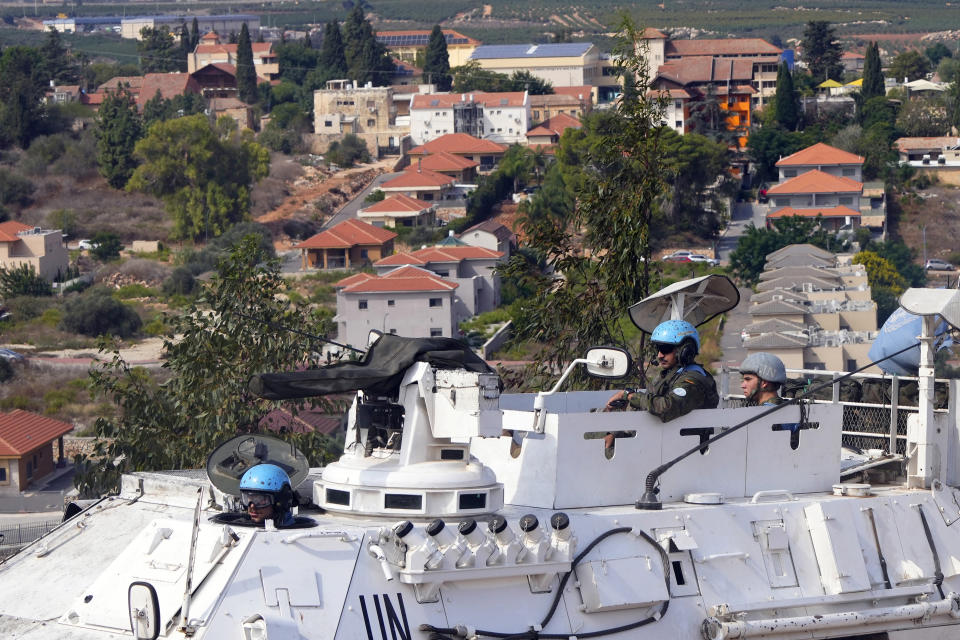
(873, 85)
(246, 73)
(194, 34)
(367, 58)
(822, 51)
(185, 48)
(436, 65)
(353, 35)
(118, 129)
(785, 112)
(332, 57)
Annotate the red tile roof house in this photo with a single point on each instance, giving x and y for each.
(217, 80)
(485, 152)
(26, 454)
(347, 245)
(398, 210)
(457, 167)
(408, 301)
(428, 186)
(814, 193)
(549, 131)
(144, 88)
(822, 157)
(472, 268)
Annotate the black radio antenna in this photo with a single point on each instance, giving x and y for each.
(283, 327)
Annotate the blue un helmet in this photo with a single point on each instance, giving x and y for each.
(268, 485)
(675, 332)
(679, 335)
(264, 477)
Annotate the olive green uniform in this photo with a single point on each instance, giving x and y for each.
(677, 391)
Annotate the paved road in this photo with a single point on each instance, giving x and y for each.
(350, 209)
(743, 214)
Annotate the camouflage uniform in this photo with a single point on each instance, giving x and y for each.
(676, 392)
(769, 403)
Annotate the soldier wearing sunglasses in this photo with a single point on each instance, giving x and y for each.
(266, 494)
(682, 385)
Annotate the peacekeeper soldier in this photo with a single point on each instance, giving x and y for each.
(762, 376)
(266, 494)
(682, 385)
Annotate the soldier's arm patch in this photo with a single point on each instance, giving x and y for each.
(680, 391)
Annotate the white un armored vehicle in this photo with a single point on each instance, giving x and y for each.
(458, 512)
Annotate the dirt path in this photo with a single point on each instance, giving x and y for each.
(314, 184)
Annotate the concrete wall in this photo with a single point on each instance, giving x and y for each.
(410, 315)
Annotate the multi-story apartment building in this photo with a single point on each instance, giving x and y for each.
(821, 180)
(471, 268)
(500, 117)
(562, 65)
(408, 300)
(760, 58)
(708, 78)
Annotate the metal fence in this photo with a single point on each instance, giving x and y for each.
(866, 425)
(14, 537)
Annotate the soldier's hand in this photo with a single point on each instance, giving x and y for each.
(618, 402)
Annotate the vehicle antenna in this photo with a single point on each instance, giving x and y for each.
(277, 325)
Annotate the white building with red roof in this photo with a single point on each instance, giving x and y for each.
(814, 193)
(486, 153)
(501, 117)
(550, 131)
(460, 168)
(827, 181)
(348, 245)
(822, 157)
(407, 300)
(471, 268)
(399, 210)
(26, 451)
(423, 184)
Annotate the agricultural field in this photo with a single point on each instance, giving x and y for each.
(498, 21)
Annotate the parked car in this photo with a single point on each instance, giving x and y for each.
(697, 257)
(935, 264)
(86, 245)
(677, 258)
(11, 355)
(679, 253)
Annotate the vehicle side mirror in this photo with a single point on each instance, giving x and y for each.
(144, 608)
(608, 362)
